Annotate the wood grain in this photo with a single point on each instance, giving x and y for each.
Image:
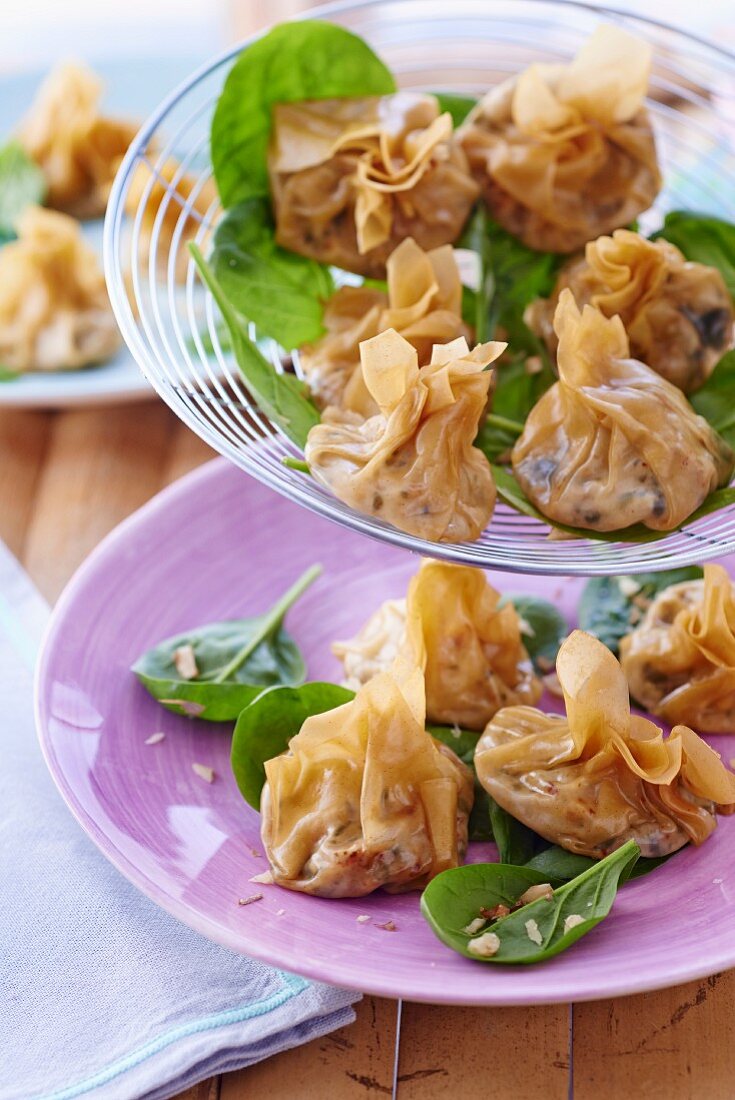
(676, 1044)
(482, 1052)
(350, 1064)
(24, 438)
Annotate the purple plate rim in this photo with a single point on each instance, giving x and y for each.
(381, 986)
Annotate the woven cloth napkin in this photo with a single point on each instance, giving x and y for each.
(102, 993)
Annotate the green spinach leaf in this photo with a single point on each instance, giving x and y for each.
(455, 897)
(547, 625)
(266, 726)
(703, 239)
(295, 61)
(459, 106)
(715, 400)
(282, 293)
(515, 842)
(607, 607)
(282, 397)
(516, 392)
(561, 866)
(22, 184)
(235, 660)
(462, 742)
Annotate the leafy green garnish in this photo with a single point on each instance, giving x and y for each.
(560, 866)
(293, 62)
(715, 400)
(455, 897)
(282, 397)
(520, 275)
(235, 661)
(459, 106)
(462, 742)
(607, 608)
(22, 184)
(548, 628)
(266, 726)
(703, 239)
(515, 842)
(281, 292)
(516, 392)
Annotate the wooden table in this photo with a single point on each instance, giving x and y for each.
(68, 478)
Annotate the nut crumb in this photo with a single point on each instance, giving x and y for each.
(484, 946)
(265, 878)
(717, 881)
(572, 921)
(628, 586)
(362, 918)
(388, 926)
(474, 926)
(495, 913)
(255, 853)
(250, 900)
(534, 933)
(204, 772)
(186, 663)
(533, 893)
(155, 738)
(280, 912)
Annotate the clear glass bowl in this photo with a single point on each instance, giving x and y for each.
(466, 46)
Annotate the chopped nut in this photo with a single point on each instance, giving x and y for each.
(484, 946)
(474, 926)
(533, 932)
(572, 921)
(280, 912)
(389, 926)
(363, 918)
(495, 913)
(628, 586)
(533, 893)
(266, 878)
(187, 706)
(186, 663)
(155, 738)
(204, 772)
(250, 900)
(254, 852)
(552, 685)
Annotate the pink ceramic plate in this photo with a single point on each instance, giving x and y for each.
(219, 545)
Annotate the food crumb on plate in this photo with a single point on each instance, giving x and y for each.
(484, 946)
(249, 900)
(534, 933)
(155, 738)
(387, 926)
(204, 772)
(362, 918)
(186, 663)
(280, 912)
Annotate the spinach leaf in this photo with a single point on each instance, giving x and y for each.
(479, 825)
(459, 106)
(520, 275)
(516, 392)
(22, 184)
(462, 742)
(295, 61)
(282, 397)
(548, 629)
(235, 661)
(510, 491)
(281, 292)
(715, 400)
(703, 239)
(561, 866)
(266, 726)
(607, 607)
(514, 840)
(455, 897)
(475, 239)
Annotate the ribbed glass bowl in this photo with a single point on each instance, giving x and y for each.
(466, 46)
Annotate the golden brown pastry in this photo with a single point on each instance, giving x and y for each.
(413, 463)
(680, 660)
(364, 798)
(601, 776)
(78, 149)
(184, 210)
(54, 309)
(612, 443)
(423, 304)
(564, 153)
(351, 178)
(678, 315)
(450, 624)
